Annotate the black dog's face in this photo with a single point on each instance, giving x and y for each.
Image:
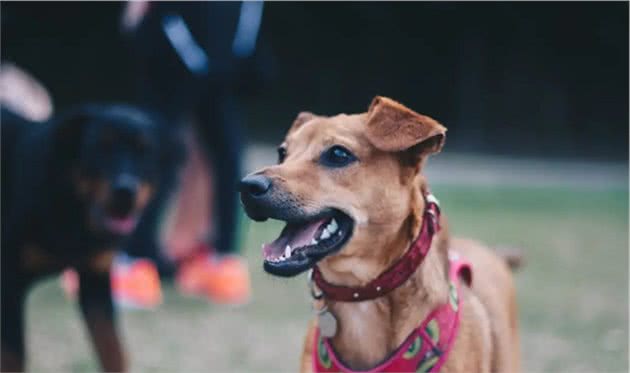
(115, 166)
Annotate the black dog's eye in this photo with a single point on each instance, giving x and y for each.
(337, 156)
(282, 154)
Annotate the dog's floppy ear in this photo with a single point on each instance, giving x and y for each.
(68, 131)
(393, 127)
(301, 118)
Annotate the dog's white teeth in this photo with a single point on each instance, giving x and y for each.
(287, 251)
(332, 226)
(314, 241)
(325, 234)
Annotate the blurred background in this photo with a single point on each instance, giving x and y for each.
(535, 97)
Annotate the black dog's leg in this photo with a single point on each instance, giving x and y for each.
(96, 303)
(12, 328)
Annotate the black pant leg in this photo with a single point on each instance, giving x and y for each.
(221, 138)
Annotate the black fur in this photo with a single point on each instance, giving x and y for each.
(50, 203)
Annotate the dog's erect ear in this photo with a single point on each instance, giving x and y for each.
(393, 127)
(301, 118)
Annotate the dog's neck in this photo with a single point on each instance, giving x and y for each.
(370, 331)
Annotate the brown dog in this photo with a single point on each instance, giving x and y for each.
(352, 192)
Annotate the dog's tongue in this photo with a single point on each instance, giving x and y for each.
(294, 235)
(121, 225)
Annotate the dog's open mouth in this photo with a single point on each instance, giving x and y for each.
(121, 225)
(116, 224)
(302, 244)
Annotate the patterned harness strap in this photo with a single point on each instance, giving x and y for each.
(426, 348)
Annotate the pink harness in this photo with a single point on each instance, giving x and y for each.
(425, 349)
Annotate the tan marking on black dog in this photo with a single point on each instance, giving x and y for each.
(102, 262)
(33, 259)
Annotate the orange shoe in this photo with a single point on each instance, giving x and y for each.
(229, 281)
(135, 283)
(223, 279)
(192, 274)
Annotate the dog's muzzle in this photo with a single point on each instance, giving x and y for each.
(124, 191)
(255, 194)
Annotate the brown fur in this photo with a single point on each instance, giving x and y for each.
(33, 259)
(102, 262)
(99, 190)
(383, 193)
(106, 342)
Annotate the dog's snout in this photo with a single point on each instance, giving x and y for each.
(255, 186)
(124, 192)
(255, 195)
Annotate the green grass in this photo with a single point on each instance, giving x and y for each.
(573, 295)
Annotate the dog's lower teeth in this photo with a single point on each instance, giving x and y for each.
(313, 242)
(287, 251)
(325, 234)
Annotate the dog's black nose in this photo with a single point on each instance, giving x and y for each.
(124, 191)
(255, 186)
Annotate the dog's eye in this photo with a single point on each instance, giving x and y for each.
(282, 154)
(337, 156)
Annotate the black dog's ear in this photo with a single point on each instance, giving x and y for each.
(393, 127)
(68, 129)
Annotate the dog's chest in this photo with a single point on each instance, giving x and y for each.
(51, 245)
(354, 325)
(37, 261)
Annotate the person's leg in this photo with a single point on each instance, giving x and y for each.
(189, 219)
(221, 141)
(220, 273)
(166, 89)
(218, 134)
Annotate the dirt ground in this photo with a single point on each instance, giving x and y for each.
(573, 293)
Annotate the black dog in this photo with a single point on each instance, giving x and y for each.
(73, 189)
